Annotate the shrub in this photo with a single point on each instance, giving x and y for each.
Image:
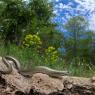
(51, 54)
(32, 41)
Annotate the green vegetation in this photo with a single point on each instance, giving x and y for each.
(27, 33)
(32, 41)
(51, 55)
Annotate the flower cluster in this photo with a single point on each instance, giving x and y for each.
(52, 54)
(32, 41)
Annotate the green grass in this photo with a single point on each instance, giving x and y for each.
(29, 58)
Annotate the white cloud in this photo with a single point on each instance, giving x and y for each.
(56, 6)
(67, 7)
(55, 11)
(63, 19)
(57, 0)
(88, 6)
(92, 21)
(67, 16)
(84, 7)
(61, 5)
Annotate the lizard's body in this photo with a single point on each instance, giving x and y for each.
(5, 66)
(37, 69)
(15, 62)
(44, 70)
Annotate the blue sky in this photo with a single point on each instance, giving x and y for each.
(65, 9)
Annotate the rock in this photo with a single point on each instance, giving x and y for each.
(44, 84)
(93, 79)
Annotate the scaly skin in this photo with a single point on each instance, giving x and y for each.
(15, 61)
(37, 69)
(45, 70)
(8, 66)
(49, 71)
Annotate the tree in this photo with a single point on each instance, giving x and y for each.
(41, 14)
(86, 47)
(14, 20)
(79, 40)
(34, 17)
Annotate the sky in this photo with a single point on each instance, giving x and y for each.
(65, 9)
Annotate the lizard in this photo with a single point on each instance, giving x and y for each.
(8, 65)
(36, 69)
(15, 63)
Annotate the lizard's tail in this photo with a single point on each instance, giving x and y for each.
(49, 71)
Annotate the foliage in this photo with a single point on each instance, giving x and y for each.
(78, 67)
(14, 19)
(42, 9)
(19, 17)
(29, 59)
(32, 22)
(32, 41)
(76, 27)
(79, 42)
(41, 12)
(51, 54)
